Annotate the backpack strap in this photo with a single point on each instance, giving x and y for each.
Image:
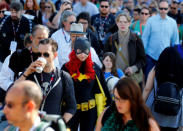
(11, 128)
(42, 126)
(3, 21)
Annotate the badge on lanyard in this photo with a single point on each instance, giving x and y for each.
(13, 46)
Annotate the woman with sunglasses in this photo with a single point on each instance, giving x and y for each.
(48, 16)
(128, 112)
(138, 26)
(3, 7)
(84, 74)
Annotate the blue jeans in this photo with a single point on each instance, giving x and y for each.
(150, 63)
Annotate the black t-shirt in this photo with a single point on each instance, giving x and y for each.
(54, 93)
(102, 24)
(7, 34)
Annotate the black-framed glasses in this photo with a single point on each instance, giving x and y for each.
(47, 7)
(45, 54)
(103, 6)
(2, 11)
(163, 8)
(142, 13)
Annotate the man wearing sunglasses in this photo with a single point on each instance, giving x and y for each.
(103, 21)
(160, 32)
(174, 12)
(56, 85)
(21, 109)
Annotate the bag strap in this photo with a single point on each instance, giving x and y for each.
(42, 126)
(100, 86)
(121, 54)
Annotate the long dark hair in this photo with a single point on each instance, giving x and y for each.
(113, 59)
(130, 90)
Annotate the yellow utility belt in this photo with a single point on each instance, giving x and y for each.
(85, 106)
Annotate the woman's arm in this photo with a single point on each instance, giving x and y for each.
(153, 125)
(149, 84)
(99, 121)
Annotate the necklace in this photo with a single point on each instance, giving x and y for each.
(67, 41)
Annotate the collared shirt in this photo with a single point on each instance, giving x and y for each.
(158, 34)
(89, 7)
(64, 45)
(64, 48)
(36, 124)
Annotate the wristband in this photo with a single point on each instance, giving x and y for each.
(24, 75)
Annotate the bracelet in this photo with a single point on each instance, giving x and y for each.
(24, 75)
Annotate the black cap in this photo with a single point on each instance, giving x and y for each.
(83, 44)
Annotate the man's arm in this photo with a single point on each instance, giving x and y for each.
(6, 75)
(146, 35)
(95, 57)
(175, 36)
(68, 96)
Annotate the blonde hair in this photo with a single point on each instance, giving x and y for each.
(122, 13)
(52, 5)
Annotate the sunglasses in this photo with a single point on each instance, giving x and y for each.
(102, 6)
(163, 8)
(47, 7)
(72, 22)
(2, 12)
(144, 13)
(45, 54)
(173, 8)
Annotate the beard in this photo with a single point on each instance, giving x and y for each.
(15, 18)
(103, 13)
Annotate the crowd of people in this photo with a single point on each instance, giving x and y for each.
(56, 56)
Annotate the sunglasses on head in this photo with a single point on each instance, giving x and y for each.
(45, 54)
(103, 6)
(163, 8)
(144, 13)
(2, 11)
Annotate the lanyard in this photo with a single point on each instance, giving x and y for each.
(31, 54)
(67, 41)
(140, 29)
(47, 90)
(15, 31)
(102, 22)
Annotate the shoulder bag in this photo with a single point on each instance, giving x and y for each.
(167, 99)
(100, 98)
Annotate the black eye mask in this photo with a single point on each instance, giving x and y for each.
(82, 45)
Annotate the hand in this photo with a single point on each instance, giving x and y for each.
(63, 7)
(129, 71)
(32, 67)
